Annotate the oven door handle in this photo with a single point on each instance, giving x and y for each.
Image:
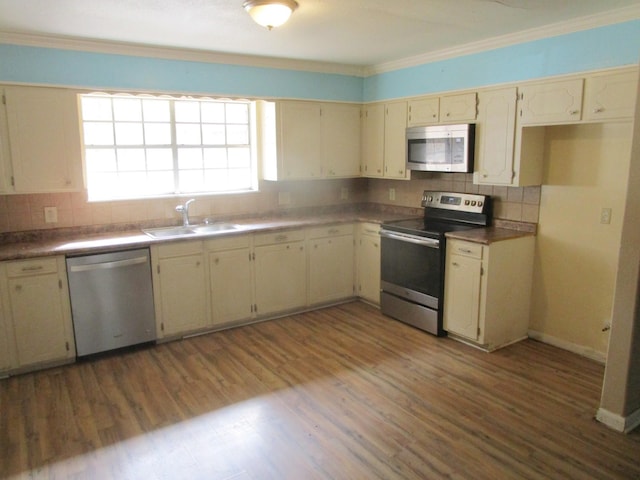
(427, 242)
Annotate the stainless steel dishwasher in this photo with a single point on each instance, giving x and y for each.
(111, 300)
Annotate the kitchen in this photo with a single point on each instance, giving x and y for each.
(517, 63)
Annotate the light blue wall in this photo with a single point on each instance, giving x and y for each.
(611, 46)
(604, 47)
(96, 70)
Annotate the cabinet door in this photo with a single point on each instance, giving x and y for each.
(373, 141)
(299, 134)
(281, 277)
(495, 133)
(39, 319)
(612, 96)
(458, 108)
(368, 262)
(341, 140)
(550, 103)
(424, 111)
(44, 138)
(182, 291)
(6, 340)
(395, 127)
(462, 296)
(330, 268)
(231, 287)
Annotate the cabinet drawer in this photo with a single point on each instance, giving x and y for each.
(467, 249)
(179, 249)
(32, 267)
(227, 243)
(369, 229)
(331, 231)
(278, 237)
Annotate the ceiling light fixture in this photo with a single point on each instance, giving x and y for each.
(270, 13)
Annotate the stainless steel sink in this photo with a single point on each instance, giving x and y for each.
(192, 230)
(215, 228)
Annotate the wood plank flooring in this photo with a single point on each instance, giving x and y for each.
(339, 393)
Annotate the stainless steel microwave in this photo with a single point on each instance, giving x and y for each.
(441, 148)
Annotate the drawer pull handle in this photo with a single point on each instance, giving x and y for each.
(466, 250)
(333, 230)
(281, 238)
(33, 268)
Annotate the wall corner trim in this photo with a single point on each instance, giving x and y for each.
(618, 422)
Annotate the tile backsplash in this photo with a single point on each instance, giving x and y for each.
(518, 204)
(26, 212)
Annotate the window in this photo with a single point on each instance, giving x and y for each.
(144, 146)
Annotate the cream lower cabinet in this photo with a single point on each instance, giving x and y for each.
(487, 291)
(331, 263)
(181, 288)
(6, 344)
(368, 262)
(37, 313)
(231, 279)
(280, 270)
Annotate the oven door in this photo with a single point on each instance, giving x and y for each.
(411, 267)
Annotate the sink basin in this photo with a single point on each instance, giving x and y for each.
(192, 230)
(215, 227)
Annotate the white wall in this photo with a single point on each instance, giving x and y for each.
(576, 255)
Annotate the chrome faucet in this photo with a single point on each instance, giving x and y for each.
(184, 210)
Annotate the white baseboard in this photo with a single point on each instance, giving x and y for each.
(618, 422)
(599, 357)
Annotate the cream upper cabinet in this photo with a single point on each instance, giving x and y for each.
(551, 102)
(309, 140)
(280, 271)
(610, 96)
(461, 107)
(44, 137)
(456, 108)
(331, 263)
(495, 137)
(37, 305)
(299, 135)
(383, 141)
(368, 262)
(181, 288)
(230, 273)
(340, 140)
(395, 148)
(373, 140)
(423, 111)
(487, 291)
(507, 154)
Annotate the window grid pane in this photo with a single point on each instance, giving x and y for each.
(148, 146)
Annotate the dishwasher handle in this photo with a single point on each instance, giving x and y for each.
(109, 265)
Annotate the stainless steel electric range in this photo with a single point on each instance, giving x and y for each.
(413, 256)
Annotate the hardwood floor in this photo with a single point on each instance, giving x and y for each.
(340, 393)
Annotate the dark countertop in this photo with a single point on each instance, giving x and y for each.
(489, 235)
(78, 242)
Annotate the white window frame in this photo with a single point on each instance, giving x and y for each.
(110, 184)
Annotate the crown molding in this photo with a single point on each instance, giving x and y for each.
(552, 30)
(147, 51)
(137, 50)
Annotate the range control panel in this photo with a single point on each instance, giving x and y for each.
(462, 202)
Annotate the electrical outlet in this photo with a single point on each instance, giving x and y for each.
(51, 214)
(344, 193)
(605, 216)
(392, 194)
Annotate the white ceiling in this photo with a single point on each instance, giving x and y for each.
(352, 32)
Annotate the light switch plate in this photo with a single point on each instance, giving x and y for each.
(605, 216)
